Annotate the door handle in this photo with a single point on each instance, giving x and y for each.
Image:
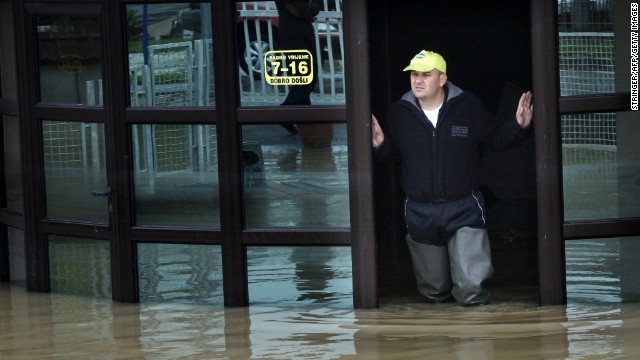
(102, 193)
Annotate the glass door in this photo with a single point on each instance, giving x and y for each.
(75, 175)
(73, 195)
(77, 191)
(600, 162)
(151, 165)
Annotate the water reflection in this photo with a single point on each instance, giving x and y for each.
(603, 270)
(175, 175)
(593, 272)
(183, 273)
(36, 325)
(79, 266)
(305, 177)
(180, 273)
(300, 276)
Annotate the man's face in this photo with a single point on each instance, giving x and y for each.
(426, 85)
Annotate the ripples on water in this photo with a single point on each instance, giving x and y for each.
(301, 309)
(38, 325)
(593, 271)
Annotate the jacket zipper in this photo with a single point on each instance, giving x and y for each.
(434, 161)
(434, 149)
(434, 153)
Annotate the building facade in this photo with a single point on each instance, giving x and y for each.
(149, 155)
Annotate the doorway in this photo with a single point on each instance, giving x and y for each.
(488, 52)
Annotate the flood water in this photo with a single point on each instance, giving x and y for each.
(37, 325)
(301, 305)
(301, 308)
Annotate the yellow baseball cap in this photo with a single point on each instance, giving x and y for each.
(426, 61)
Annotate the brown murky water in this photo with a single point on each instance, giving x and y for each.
(35, 325)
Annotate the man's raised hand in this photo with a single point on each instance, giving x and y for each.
(524, 114)
(377, 136)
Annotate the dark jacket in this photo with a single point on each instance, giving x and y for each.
(443, 163)
(296, 17)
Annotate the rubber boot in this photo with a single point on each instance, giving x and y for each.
(431, 268)
(470, 257)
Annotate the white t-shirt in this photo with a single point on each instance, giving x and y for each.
(432, 115)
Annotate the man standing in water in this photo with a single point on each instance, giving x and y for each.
(438, 132)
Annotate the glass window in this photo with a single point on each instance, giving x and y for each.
(180, 273)
(175, 169)
(603, 270)
(170, 54)
(70, 59)
(312, 48)
(74, 166)
(8, 80)
(301, 275)
(296, 181)
(593, 41)
(13, 164)
(80, 266)
(17, 257)
(587, 63)
(601, 165)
